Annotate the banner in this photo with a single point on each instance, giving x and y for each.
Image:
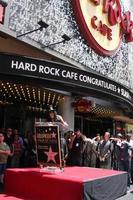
(48, 144)
(64, 75)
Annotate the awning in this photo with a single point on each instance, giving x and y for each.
(123, 119)
(60, 75)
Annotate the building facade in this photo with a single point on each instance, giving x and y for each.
(81, 64)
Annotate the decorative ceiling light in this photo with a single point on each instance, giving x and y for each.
(27, 94)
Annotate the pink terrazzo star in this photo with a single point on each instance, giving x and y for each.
(53, 135)
(51, 155)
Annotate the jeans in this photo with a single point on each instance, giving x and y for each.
(2, 168)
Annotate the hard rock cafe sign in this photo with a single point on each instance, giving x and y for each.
(82, 105)
(103, 24)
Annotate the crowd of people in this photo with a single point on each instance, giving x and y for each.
(16, 151)
(103, 151)
(107, 152)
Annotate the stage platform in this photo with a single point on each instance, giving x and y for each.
(75, 183)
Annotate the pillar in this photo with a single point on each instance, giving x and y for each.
(66, 110)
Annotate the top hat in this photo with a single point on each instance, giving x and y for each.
(50, 108)
(119, 135)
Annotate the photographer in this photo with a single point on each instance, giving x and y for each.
(122, 154)
(75, 156)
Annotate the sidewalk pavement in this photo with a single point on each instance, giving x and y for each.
(129, 195)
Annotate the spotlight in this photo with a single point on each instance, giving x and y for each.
(4, 2)
(42, 25)
(65, 38)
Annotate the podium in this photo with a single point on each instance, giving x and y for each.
(50, 143)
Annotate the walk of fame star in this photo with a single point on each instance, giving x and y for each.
(51, 155)
(54, 135)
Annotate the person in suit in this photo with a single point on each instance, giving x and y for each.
(104, 151)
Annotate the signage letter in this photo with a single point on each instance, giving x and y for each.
(109, 34)
(127, 26)
(93, 19)
(107, 5)
(117, 13)
(114, 13)
(129, 37)
(14, 64)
